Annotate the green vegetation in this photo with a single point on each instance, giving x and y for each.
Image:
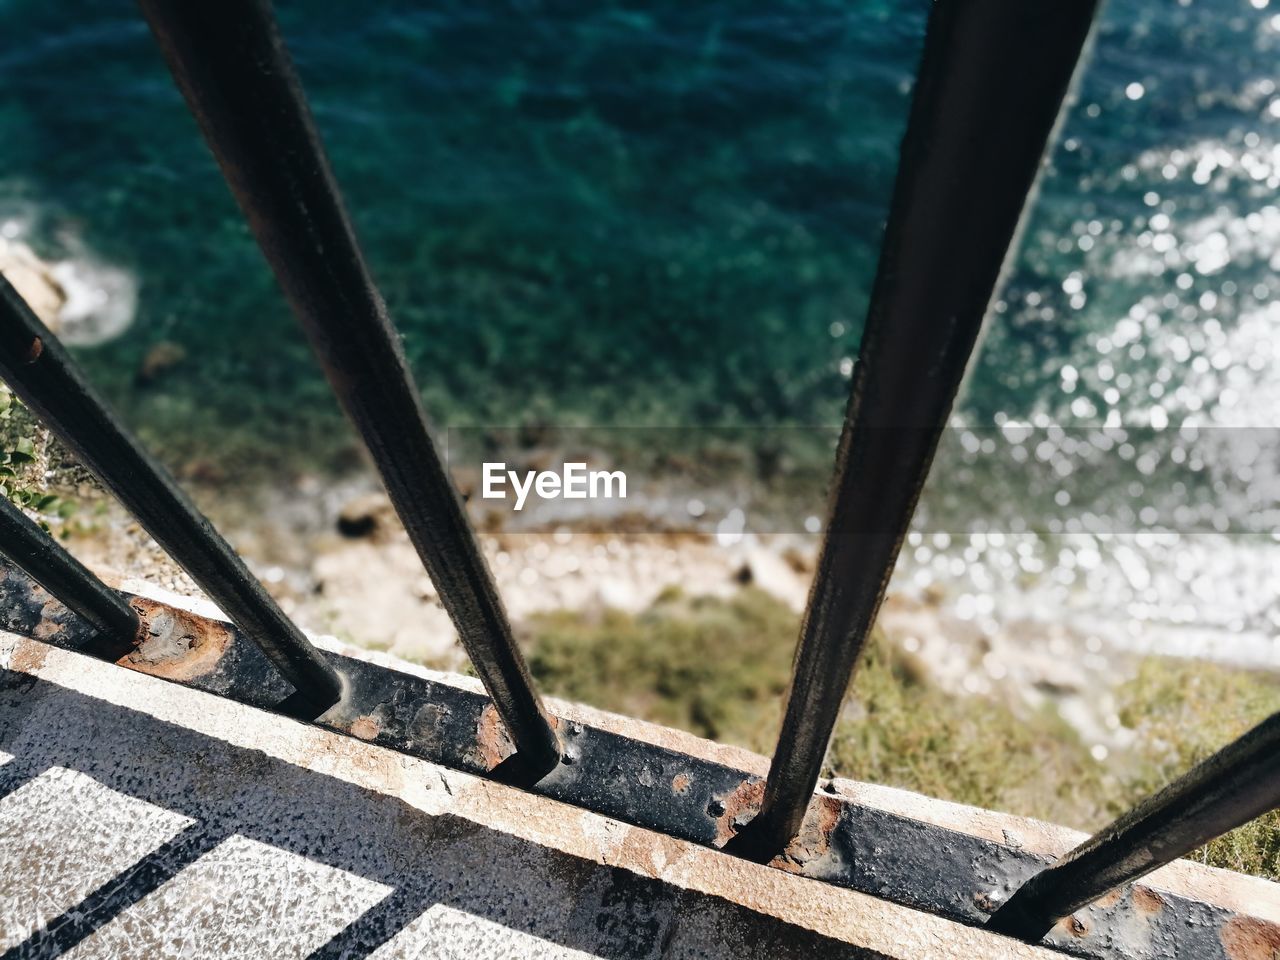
(902, 730)
(719, 668)
(22, 462)
(716, 668)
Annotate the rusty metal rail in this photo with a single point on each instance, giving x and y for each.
(845, 843)
(991, 84)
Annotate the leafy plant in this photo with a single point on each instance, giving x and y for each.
(21, 476)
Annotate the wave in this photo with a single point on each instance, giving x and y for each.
(84, 299)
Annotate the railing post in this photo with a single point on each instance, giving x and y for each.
(991, 83)
(231, 65)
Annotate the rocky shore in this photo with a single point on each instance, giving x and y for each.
(334, 554)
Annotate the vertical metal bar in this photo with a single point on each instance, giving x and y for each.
(46, 562)
(231, 65)
(1235, 785)
(41, 372)
(991, 82)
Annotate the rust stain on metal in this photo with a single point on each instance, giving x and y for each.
(28, 656)
(735, 811)
(366, 727)
(47, 630)
(680, 783)
(493, 743)
(1248, 938)
(52, 620)
(175, 644)
(814, 838)
(1110, 899)
(427, 723)
(1147, 902)
(1074, 925)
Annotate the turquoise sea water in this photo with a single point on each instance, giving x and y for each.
(576, 212)
(652, 213)
(656, 214)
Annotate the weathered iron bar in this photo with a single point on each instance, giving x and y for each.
(1235, 785)
(231, 65)
(990, 87)
(40, 371)
(67, 579)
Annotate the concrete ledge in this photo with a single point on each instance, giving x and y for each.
(144, 818)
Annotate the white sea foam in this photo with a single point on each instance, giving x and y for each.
(101, 300)
(97, 300)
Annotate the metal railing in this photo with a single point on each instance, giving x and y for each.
(991, 84)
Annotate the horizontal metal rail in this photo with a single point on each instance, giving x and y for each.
(693, 797)
(1235, 785)
(46, 562)
(991, 84)
(44, 376)
(232, 67)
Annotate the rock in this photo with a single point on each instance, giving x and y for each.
(801, 561)
(366, 516)
(766, 570)
(83, 300)
(33, 280)
(159, 360)
(203, 470)
(100, 300)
